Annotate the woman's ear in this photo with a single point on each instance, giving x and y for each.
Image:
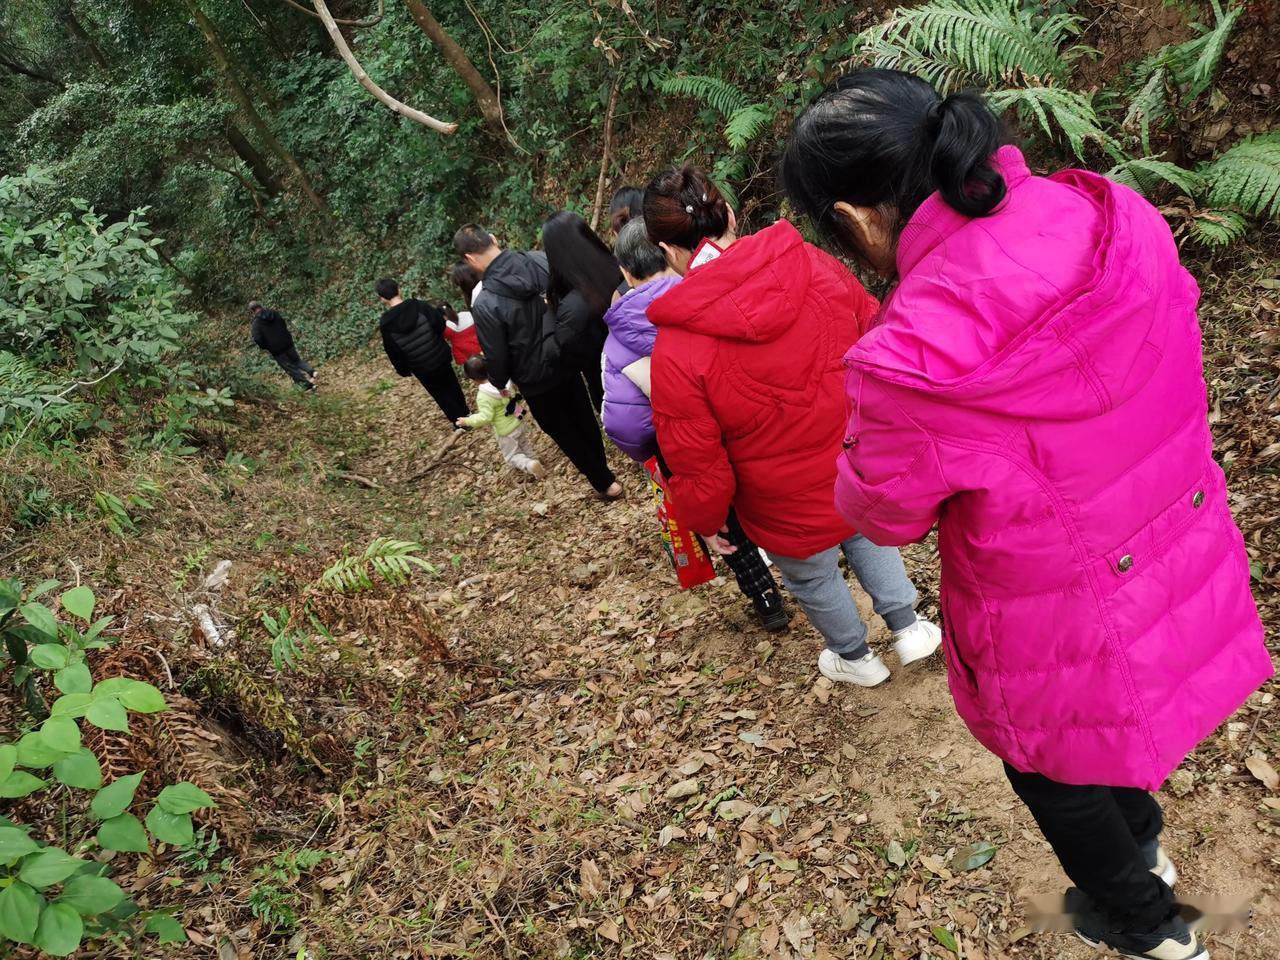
(733, 222)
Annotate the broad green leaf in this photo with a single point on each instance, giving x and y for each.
(108, 714)
(79, 601)
(8, 757)
(74, 678)
(40, 617)
(114, 799)
(60, 930)
(80, 770)
(19, 912)
(61, 733)
(47, 867)
(166, 928)
(14, 843)
(142, 697)
(75, 289)
(50, 656)
(183, 798)
(947, 939)
(35, 752)
(172, 828)
(973, 856)
(19, 784)
(90, 895)
(112, 688)
(71, 705)
(123, 833)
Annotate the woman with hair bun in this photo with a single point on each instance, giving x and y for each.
(1034, 386)
(748, 401)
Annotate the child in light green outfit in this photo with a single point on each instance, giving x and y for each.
(491, 408)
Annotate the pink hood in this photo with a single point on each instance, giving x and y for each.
(1035, 386)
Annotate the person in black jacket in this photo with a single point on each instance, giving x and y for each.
(413, 336)
(271, 333)
(518, 335)
(583, 279)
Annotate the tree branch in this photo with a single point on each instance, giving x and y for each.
(395, 105)
(605, 155)
(357, 24)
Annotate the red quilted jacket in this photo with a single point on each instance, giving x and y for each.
(748, 389)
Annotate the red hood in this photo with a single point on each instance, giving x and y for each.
(751, 293)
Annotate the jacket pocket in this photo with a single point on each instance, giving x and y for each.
(1171, 523)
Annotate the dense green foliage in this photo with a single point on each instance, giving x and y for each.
(54, 896)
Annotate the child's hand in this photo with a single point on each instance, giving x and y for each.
(460, 422)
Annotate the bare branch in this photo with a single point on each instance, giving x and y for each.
(357, 24)
(395, 105)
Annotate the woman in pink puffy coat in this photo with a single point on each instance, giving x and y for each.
(1034, 387)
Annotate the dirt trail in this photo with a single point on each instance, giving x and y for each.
(614, 767)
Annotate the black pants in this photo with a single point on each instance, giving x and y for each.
(749, 569)
(442, 383)
(293, 364)
(593, 374)
(1097, 834)
(564, 413)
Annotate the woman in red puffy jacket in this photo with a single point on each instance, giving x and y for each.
(748, 401)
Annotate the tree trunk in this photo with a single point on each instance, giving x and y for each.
(457, 58)
(11, 58)
(225, 63)
(254, 160)
(353, 64)
(81, 36)
(605, 156)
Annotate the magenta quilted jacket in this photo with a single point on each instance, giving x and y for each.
(1035, 387)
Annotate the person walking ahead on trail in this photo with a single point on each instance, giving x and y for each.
(520, 346)
(1035, 387)
(748, 398)
(271, 333)
(413, 336)
(491, 409)
(628, 416)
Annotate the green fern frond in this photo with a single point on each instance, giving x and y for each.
(1146, 174)
(967, 42)
(392, 560)
(720, 95)
(1247, 177)
(1072, 113)
(746, 124)
(725, 172)
(1205, 52)
(1149, 105)
(1218, 228)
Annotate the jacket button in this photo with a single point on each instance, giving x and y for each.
(1126, 563)
(850, 442)
(1198, 499)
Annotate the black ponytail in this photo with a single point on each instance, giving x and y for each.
(961, 169)
(885, 139)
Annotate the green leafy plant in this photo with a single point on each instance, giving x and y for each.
(392, 560)
(287, 643)
(54, 897)
(1176, 74)
(273, 899)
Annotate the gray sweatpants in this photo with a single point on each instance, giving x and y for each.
(516, 449)
(818, 586)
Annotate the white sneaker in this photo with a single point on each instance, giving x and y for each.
(916, 642)
(870, 671)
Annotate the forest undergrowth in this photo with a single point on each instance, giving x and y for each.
(532, 744)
